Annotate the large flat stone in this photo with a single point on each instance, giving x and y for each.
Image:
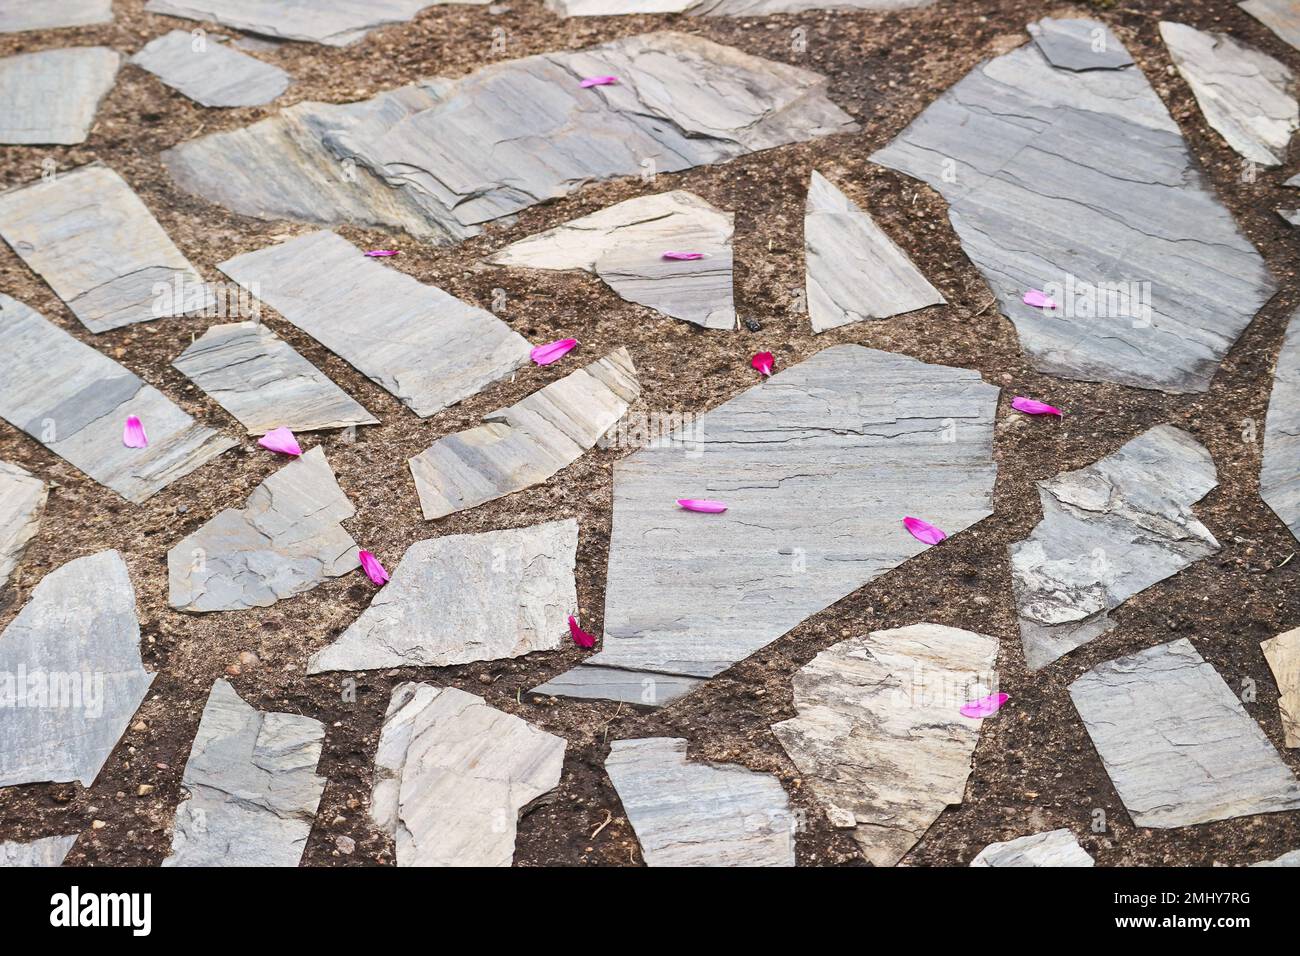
(453, 774)
(22, 501)
(1280, 16)
(70, 674)
(1109, 531)
(466, 597)
(699, 814)
(252, 786)
(286, 540)
(1283, 656)
(1279, 477)
(624, 245)
(527, 443)
(1054, 848)
(19, 15)
(1286, 859)
(1177, 743)
(51, 97)
(48, 851)
(1153, 281)
(428, 348)
(212, 75)
(75, 401)
(721, 8)
(818, 466)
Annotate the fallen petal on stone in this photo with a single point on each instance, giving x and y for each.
(281, 441)
(22, 502)
(1279, 477)
(1054, 848)
(762, 361)
(133, 434)
(683, 256)
(1283, 656)
(923, 531)
(1033, 407)
(49, 851)
(546, 354)
(374, 570)
(984, 707)
(1038, 299)
(51, 97)
(702, 505)
(598, 81)
(212, 74)
(580, 637)
(381, 253)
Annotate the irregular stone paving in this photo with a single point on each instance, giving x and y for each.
(442, 157)
(1021, 149)
(427, 348)
(1283, 656)
(1054, 848)
(879, 736)
(1109, 531)
(19, 15)
(1177, 743)
(75, 401)
(49, 851)
(286, 540)
(90, 237)
(252, 786)
(818, 465)
(1286, 859)
(1279, 477)
(1246, 95)
(257, 376)
(214, 74)
(22, 501)
(624, 245)
(1078, 45)
(855, 271)
(51, 97)
(466, 597)
(453, 774)
(699, 814)
(527, 443)
(1280, 16)
(70, 674)
(721, 8)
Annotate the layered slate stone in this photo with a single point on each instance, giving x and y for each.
(427, 348)
(1279, 477)
(1109, 531)
(1286, 859)
(1054, 848)
(452, 776)
(442, 157)
(1283, 656)
(75, 401)
(22, 501)
(721, 8)
(855, 271)
(699, 814)
(51, 97)
(19, 15)
(527, 443)
(90, 237)
(624, 245)
(48, 851)
(252, 786)
(286, 540)
(818, 466)
(1078, 45)
(1022, 148)
(1246, 95)
(1176, 741)
(257, 376)
(70, 674)
(1280, 16)
(212, 75)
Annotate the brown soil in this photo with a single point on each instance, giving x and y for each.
(1035, 768)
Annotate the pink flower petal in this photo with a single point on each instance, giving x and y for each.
(923, 530)
(1038, 299)
(1032, 407)
(683, 256)
(374, 570)
(598, 81)
(580, 637)
(701, 504)
(546, 354)
(133, 435)
(763, 362)
(381, 253)
(281, 440)
(984, 707)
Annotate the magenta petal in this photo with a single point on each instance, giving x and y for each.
(701, 504)
(923, 530)
(1031, 407)
(984, 707)
(580, 637)
(684, 256)
(133, 435)
(381, 253)
(280, 440)
(546, 354)
(374, 570)
(598, 81)
(1038, 299)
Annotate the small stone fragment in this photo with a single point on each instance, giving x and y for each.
(209, 72)
(51, 97)
(1279, 478)
(1283, 656)
(22, 501)
(19, 15)
(48, 851)
(1054, 848)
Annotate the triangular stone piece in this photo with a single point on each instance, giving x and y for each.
(22, 500)
(1279, 477)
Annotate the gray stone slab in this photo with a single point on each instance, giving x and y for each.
(855, 271)
(1054, 848)
(1292, 216)
(624, 245)
(1286, 859)
(90, 237)
(453, 774)
(51, 97)
(1021, 150)
(48, 851)
(1079, 45)
(1280, 16)
(252, 786)
(699, 814)
(818, 466)
(19, 15)
(429, 349)
(1283, 656)
(257, 376)
(22, 501)
(1177, 743)
(209, 72)
(70, 674)
(1109, 531)
(440, 158)
(75, 401)
(1279, 477)
(527, 443)
(721, 8)
(466, 597)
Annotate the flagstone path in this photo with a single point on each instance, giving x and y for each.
(1054, 848)
(209, 72)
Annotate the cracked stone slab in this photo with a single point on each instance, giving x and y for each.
(252, 786)
(452, 776)
(721, 8)
(527, 443)
(1054, 848)
(1283, 656)
(699, 814)
(427, 348)
(75, 401)
(1279, 477)
(1021, 149)
(1078, 45)
(1280, 16)
(466, 597)
(855, 271)
(624, 244)
(51, 97)
(1176, 741)
(89, 236)
(22, 502)
(258, 377)
(17, 16)
(70, 674)
(48, 851)
(213, 75)
(879, 736)
(818, 465)
(440, 158)
(286, 540)
(1246, 95)
(1109, 531)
